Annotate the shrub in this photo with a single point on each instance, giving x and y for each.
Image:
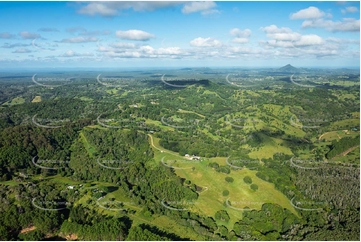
(247, 179)
(225, 193)
(254, 187)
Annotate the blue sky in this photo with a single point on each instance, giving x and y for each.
(179, 34)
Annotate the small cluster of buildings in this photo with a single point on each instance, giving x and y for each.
(192, 157)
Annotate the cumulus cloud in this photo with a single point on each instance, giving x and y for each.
(48, 30)
(272, 29)
(291, 36)
(71, 53)
(308, 13)
(95, 8)
(285, 43)
(123, 45)
(80, 40)
(311, 39)
(6, 35)
(130, 50)
(349, 10)
(343, 41)
(205, 42)
(240, 40)
(240, 33)
(203, 7)
(108, 9)
(22, 51)
(134, 34)
(346, 25)
(9, 46)
(315, 18)
(286, 38)
(95, 32)
(29, 35)
(84, 32)
(241, 36)
(75, 29)
(281, 34)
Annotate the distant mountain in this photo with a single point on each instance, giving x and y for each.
(289, 69)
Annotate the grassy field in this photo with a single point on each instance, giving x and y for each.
(36, 99)
(15, 101)
(11, 183)
(185, 111)
(86, 99)
(208, 92)
(112, 200)
(344, 83)
(269, 147)
(213, 183)
(343, 124)
(91, 150)
(269, 116)
(337, 135)
(159, 124)
(111, 91)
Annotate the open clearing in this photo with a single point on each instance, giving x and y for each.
(37, 99)
(211, 200)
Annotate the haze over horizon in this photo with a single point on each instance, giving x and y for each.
(179, 34)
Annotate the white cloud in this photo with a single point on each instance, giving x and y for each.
(84, 32)
(123, 45)
(281, 34)
(71, 53)
(311, 39)
(29, 35)
(22, 51)
(203, 7)
(286, 38)
(108, 9)
(9, 46)
(349, 10)
(284, 43)
(241, 36)
(129, 50)
(321, 52)
(343, 41)
(141, 6)
(205, 42)
(308, 13)
(314, 18)
(95, 8)
(79, 40)
(240, 40)
(244, 50)
(95, 32)
(6, 35)
(240, 33)
(169, 51)
(48, 30)
(134, 34)
(277, 43)
(118, 47)
(346, 25)
(75, 29)
(209, 12)
(273, 29)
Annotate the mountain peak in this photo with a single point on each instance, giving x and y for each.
(288, 68)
